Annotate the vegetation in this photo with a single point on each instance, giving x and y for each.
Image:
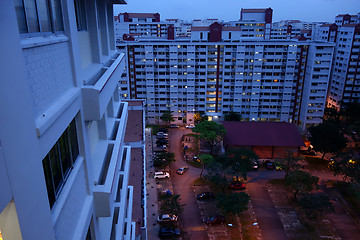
(327, 137)
(205, 159)
(164, 159)
(232, 116)
(301, 182)
(199, 117)
(172, 205)
(167, 117)
(239, 161)
(233, 203)
(210, 132)
(315, 205)
(290, 163)
(347, 165)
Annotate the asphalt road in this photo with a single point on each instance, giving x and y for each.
(190, 218)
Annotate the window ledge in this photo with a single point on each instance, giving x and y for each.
(42, 41)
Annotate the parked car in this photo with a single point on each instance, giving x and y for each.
(237, 185)
(167, 218)
(277, 166)
(205, 196)
(182, 170)
(214, 219)
(164, 130)
(161, 134)
(190, 126)
(255, 165)
(162, 141)
(161, 175)
(168, 232)
(269, 165)
(174, 126)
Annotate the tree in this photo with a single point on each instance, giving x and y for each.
(210, 132)
(331, 114)
(219, 180)
(315, 205)
(232, 116)
(205, 160)
(167, 117)
(351, 111)
(233, 203)
(172, 205)
(240, 161)
(301, 182)
(164, 159)
(327, 137)
(199, 117)
(290, 163)
(347, 164)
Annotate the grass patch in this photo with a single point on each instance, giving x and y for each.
(155, 128)
(248, 230)
(200, 182)
(195, 164)
(351, 193)
(317, 163)
(280, 181)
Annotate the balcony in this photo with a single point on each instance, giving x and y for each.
(98, 91)
(113, 164)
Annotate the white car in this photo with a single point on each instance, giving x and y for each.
(161, 134)
(161, 175)
(167, 218)
(190, 126)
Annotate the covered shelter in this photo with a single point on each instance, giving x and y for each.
(268, 140)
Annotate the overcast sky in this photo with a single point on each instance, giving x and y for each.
(305, 10)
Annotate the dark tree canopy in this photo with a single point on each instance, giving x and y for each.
(167, 117)
(290, 163)
(351, 111)
(316, 205)
(239, 161)
(347, 165)
(232, 116)
(210, 132)
(234, 203)
(327, 137)
(301, 182)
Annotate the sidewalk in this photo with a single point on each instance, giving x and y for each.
(152, 205)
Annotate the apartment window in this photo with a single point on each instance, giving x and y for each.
(59, 161)
(35, 16)
(80, 15)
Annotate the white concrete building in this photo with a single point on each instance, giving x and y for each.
(64, 167)
(214, 73)
(345, 76)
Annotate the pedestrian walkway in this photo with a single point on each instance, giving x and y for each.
(152, 205)
(293, 228)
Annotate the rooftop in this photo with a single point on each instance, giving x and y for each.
(262, 134)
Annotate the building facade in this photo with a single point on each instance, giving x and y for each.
(217, 72)
(345, 75)
(64, 166)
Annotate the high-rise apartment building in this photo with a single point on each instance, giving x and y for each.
(345, 75)
(64, 163)
(230, 67)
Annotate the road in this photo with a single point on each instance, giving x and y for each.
(190, 218)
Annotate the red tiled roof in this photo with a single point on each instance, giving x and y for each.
(200, 28)
(262, 134)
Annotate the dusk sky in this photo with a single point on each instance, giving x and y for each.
(305, 10)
